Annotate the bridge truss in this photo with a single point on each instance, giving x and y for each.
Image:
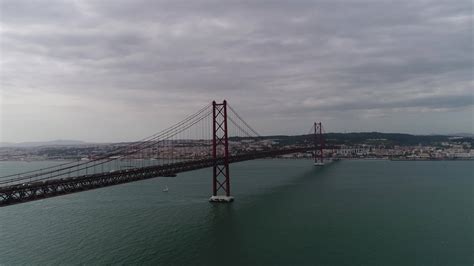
(203, 139)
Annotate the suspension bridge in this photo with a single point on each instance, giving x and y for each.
(215, 136)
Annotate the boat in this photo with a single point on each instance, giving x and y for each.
(165, 189)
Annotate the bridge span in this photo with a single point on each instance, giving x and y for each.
(73, 177)
(30, 191)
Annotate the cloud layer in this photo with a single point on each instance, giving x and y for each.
(86, 69)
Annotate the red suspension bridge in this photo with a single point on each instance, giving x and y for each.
(207, 138)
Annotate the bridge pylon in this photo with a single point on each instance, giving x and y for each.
(318, 144)
(220, 154)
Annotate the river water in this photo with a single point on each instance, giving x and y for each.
(286, 212)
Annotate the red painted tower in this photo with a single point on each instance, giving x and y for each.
(318, 144)
(220, 154)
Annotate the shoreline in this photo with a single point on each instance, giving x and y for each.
(279, 158)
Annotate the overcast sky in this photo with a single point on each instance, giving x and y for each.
(120, 70)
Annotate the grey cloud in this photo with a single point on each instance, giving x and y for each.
(37, 11)
(435, 102)
(271, 58)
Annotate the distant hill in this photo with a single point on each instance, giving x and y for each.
(375, 138)
(385, 138)
(465, 135)
(43, 143)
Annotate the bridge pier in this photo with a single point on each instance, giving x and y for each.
(221, 198)
(318, 144)
(220, 154)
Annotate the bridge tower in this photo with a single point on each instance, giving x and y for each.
(318, 144)
(220, 154)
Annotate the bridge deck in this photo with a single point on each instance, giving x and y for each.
(31, 191)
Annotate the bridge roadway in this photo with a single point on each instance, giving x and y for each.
(36, 190)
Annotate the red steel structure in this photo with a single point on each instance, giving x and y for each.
(220, 153)
(318, 144)
(106, 170)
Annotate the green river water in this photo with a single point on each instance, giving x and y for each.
(286, 212)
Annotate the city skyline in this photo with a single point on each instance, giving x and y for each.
(121, 70)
